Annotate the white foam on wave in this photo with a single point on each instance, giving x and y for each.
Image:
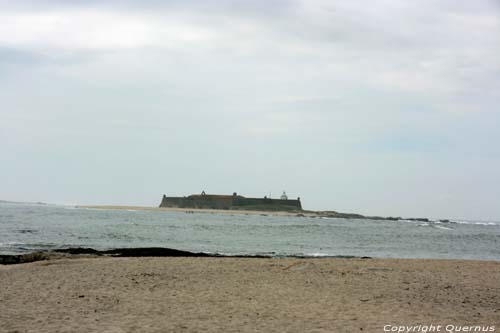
(441, 227)
(95, 209)
(477, 222)
(317, 254)
(9, 244)
(433, 223)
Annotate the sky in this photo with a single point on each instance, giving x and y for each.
(387, 107)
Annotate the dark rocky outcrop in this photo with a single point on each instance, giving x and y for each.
(420, 219)
(139, 252)
(335, 214)
(23, 258)
(147, 252)
(130, 252)
(78, 250)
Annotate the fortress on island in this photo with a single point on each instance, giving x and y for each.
(235, 201)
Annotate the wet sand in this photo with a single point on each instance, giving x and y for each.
(246, 294)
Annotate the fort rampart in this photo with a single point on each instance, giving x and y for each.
(212, 201)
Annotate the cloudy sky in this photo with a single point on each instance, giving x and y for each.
(387, 107)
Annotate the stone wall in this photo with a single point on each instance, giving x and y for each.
(229, 202)
(266, 202)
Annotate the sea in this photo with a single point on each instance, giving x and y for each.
(26, 228)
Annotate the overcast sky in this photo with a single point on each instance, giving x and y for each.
(382, 107)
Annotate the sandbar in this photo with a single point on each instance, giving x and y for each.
(203, 210)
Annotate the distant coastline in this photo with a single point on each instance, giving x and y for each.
(22, 202)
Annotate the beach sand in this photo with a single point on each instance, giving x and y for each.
(204, 210)
(246, 294)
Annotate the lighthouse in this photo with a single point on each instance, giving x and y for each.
(284, 196)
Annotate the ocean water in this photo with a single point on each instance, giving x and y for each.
(31, 227)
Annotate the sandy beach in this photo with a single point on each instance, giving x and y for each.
(296, 213)
(246, 295)
(202, 210)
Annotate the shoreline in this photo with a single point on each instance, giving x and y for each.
(191, 294)
(143, 252)
(163, 252)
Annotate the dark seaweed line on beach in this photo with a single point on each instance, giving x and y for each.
(132, 252)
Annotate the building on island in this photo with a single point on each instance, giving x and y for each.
(235, 201)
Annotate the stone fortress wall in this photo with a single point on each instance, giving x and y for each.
(213, 201)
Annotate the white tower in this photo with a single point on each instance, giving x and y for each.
(284, 196)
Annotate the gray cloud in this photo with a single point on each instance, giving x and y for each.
(388, 108)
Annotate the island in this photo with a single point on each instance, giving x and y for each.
(238, 204)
